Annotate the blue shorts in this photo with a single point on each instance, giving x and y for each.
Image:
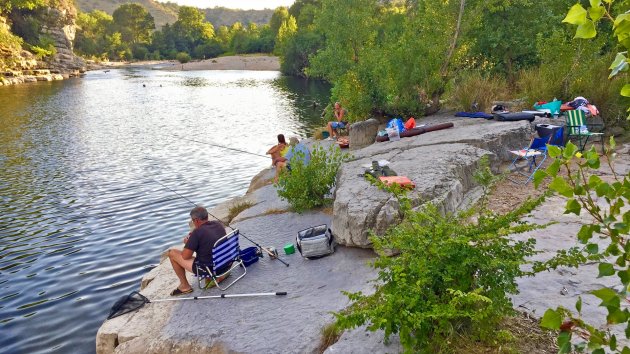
(338, 125)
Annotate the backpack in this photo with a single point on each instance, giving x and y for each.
(315, 242)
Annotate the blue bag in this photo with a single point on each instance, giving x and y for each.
(396, 122)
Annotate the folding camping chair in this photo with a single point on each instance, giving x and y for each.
(537, 149)
(581, 131)
(225, 257)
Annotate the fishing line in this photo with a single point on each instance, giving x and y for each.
(167, 187)
(220, 146)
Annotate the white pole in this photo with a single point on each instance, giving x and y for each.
(222, 296)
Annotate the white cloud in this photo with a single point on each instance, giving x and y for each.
(236, 4)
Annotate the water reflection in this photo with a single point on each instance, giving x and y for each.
(82, 215)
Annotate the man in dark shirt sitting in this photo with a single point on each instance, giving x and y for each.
(200, 240)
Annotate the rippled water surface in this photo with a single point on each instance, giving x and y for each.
(83, 213)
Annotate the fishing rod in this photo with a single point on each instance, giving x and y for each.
(165, 186)
(135, 301)
(220, 146)
(271, 254)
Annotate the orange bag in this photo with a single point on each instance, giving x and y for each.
(410, 123)
(402, 181)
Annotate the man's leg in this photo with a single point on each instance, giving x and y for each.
(330, 129)
(180, 266)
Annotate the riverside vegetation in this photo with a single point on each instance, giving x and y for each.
(606, 202)
(450, 277)
(307, 186)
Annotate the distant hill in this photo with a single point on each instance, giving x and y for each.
(163, 13)
(221, 16)
(166, 12)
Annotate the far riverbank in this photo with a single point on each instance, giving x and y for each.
(233, 62)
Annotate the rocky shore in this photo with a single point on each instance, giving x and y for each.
(440, 163)
(60, 26)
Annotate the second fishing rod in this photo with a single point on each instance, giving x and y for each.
(273, 255)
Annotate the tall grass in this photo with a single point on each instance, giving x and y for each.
(474, 87)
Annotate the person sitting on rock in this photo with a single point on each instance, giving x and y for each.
(279, 150)
(200, 241)
(339, 113)
(297, 149)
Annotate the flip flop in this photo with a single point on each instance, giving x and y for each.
(178, 292)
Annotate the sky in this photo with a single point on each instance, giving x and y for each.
(236, 4)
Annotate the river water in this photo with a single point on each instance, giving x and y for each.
(84, 213)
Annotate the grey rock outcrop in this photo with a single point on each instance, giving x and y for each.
(441, 164)
(60, 25)
(290, 324)
(363, 133)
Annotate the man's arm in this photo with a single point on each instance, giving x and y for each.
(187, 254)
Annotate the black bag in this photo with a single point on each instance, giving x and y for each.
(315, 242)
(511, 117)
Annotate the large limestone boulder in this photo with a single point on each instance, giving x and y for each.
(289, 324)
(363, 133)
(441, 164)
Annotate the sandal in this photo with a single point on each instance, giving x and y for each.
(178, 292)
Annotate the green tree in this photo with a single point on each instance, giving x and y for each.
(192, 27)
(134, 23)
(6, 6)
(503, 42)
(90, 38)
(344, 48)
(297, 50)
(280, 15)
(285, 33)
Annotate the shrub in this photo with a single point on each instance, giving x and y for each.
(450, 277)
(306, 186)
(473, 87)
(183, 57)
(140, 52)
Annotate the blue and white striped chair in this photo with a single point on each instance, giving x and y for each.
(225, 257)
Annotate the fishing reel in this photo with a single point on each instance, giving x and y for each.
(273, 252)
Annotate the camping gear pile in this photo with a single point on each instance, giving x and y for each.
(547, 109)
(396, 129)
(381, 171)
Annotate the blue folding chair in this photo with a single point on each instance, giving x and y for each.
(533, 155)
(225, 257)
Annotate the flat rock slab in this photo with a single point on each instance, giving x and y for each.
(440, 163)
(288, 324)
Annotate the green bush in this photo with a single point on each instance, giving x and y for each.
(451, 276)
(306, 186)
(183, 57)
(140, 52)
(471, 87)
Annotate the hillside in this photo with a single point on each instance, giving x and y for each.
(166, 12)
(163, 13)
(221, 16)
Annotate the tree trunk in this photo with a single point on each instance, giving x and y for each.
(437, 94)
